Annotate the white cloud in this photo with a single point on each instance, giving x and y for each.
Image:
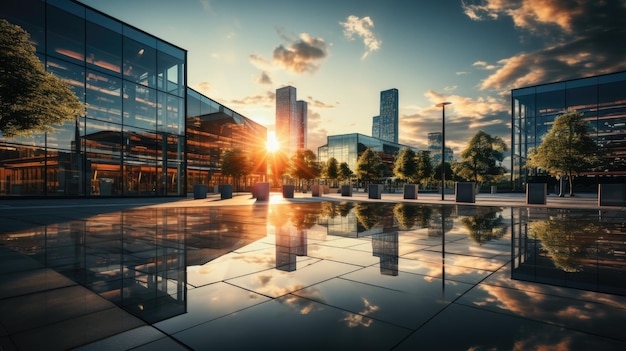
(363, 28)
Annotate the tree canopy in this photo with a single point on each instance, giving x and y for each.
(344, 171)
(405, 166)
(303, 165)
(31, 99)
(369, 166)
(331, 171)
(566, 149)
(481, 161)
(235, 163)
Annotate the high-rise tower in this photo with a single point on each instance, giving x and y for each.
(388, 128)
(302, 125)
(286, 119)
(291, 120)
(376, 127)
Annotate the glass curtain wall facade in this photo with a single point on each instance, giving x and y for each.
(601, 100)
(131, 140)
(389, 115)
(212, 129)
(349, 147)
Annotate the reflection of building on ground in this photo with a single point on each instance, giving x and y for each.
(385, 246)
(601, 100)
(133, 137)
(138, 258)
(587, 252)
(290, 243)
(438, 221)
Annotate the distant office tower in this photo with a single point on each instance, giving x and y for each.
(389, 115)
(376, 127)
(302, 126)
(434, 146)
(286, 119)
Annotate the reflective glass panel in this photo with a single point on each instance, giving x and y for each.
(104, 97)
(139, 106)
(104, 45)
(65, 35)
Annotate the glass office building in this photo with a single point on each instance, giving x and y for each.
(132, 140)
(349, 147)
(601, 100)
(212, 129)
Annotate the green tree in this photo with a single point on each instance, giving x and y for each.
(566, 150)
(405, 166)
(31, 99)
(235, 163)
(331, 171)
(344, 171)
(481, 161)
(424, 166)
(449, 173)
(369, 166)
(303, 165)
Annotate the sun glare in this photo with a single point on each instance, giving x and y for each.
(272, 143)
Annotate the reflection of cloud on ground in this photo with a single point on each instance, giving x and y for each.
(537, 306)
(303, 305)
(354, 320)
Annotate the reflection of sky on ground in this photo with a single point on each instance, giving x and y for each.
(282, 268)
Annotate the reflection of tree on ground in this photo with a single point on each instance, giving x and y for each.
(485, 226)
(567, 240)
(333, 209)
(300, 216)
(410, 216)
(368, 215)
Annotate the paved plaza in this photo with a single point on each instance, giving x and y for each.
(285, 274)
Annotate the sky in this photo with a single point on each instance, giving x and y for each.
(340, 54)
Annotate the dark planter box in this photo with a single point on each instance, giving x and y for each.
(612, 195)
(226, 191)
(465, 192)
(262, 191)
(288, 191)
(410, 191)
(536, 193)
(199, 191)
(346, 190)
(374, 191)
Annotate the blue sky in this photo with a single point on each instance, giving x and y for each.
(340, 54)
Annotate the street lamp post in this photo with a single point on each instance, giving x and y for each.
(443, 147)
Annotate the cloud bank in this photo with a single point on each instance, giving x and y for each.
(582, 38)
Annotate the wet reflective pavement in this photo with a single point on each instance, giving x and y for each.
(318, 275)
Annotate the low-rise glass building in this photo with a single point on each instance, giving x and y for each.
(132, 140)
(602, 101)
(349, 147)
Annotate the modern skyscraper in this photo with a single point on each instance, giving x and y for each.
(291, 120)
(302, 126)
(434, 146)
(389, 115)
(286, 119)
(376, 127)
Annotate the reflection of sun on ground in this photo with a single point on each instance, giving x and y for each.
(272, 142)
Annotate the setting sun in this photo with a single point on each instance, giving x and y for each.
(272, 142)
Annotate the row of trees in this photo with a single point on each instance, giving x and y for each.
(480, 162)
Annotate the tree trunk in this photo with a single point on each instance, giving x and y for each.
(570, 180)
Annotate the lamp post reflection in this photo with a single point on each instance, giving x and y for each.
(443, 146)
